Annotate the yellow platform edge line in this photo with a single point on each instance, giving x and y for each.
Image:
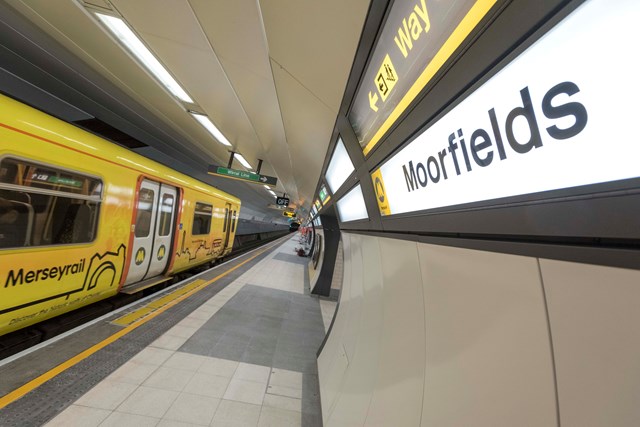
(133, 316)
(52, 373)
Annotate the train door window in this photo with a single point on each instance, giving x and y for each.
(226, 218)
(145, 211)
(202, 218)
(166, 209)
(233, 222)
(45, 205)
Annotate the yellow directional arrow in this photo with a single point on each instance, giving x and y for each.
(373, 100)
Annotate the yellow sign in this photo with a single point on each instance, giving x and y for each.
(386, 78)
(418, 40)
(381, 195)
(140, 256)
(161, 252)
(289, 214)
(468, 23)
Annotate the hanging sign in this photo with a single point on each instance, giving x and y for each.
(252, 177)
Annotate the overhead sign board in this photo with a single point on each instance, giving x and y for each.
(417, 40)
(254, 178)
(289, 214)
(282, 201)
(545, 122)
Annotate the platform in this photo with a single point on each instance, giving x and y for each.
(233, 346)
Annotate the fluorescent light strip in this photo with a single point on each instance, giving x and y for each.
(272, 192)
(127, 37)
(267, 187)
(242, 160)
(208, 125)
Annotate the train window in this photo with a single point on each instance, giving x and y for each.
(202, 218)
(226, 218)
(145, 210)
(233, 222)
(166, 208)
(43, 205)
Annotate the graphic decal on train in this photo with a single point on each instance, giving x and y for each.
(161, 252)
(103, 270)
(213, 250)
(140, 255)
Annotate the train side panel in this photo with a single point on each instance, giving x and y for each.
(68, 245)
(67, 208)
(205, 222)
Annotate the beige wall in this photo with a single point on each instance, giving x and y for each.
(439, 336)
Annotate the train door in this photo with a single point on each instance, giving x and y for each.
(152, 230)
(226, 226)
(165, 220)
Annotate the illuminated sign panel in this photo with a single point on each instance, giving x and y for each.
(556, 117)
(340, 167)
(324, 195)
(318, 205)
(351, 206)
(282, 201)
(418, 38)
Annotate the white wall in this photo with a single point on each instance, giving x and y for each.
(439, 336)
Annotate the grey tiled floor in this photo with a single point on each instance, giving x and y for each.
(264, 327)
(247, 357)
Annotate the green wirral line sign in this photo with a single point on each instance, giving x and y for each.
(255, 178)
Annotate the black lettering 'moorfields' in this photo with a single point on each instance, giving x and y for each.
(410, 177)
(527, 112)
(574, 109)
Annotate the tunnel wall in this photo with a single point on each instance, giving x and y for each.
(441, 336)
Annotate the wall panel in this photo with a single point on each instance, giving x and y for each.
(594, 324)
(488, 360)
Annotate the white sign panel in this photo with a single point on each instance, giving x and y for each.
(340, 167)
(352, 207)
(560, 115)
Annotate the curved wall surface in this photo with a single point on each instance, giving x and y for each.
(439, 336)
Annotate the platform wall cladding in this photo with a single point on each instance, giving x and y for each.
(439, 336)
(492, 277)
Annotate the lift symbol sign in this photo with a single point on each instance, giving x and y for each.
(386, 78)
(384, 81)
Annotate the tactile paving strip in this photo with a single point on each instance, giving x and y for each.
(45, 402)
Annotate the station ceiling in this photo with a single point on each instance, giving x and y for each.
(270, 74)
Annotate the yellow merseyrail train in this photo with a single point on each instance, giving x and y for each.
(82, 219)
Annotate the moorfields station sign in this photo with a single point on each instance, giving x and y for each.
(558, 116)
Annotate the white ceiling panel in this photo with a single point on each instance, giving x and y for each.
(270, 74)
(308, 122)
(315, 42)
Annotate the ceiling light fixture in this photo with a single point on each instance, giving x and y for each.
(128, 38)
(273, 193)
(267, 187)
(242, 160)
(208, 125)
